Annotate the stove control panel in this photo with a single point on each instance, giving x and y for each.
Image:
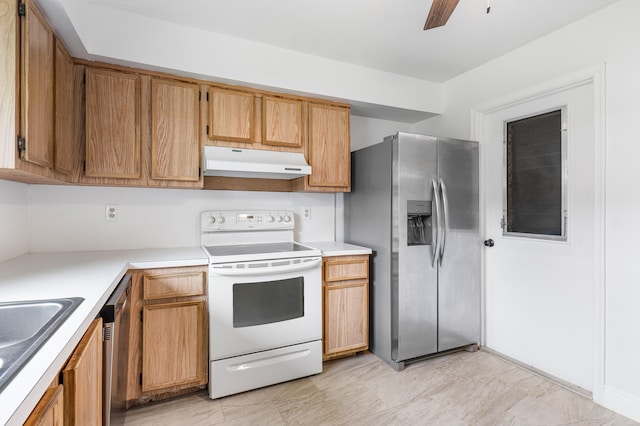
(233, 220)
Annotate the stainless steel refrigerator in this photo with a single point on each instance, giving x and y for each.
(414, 200)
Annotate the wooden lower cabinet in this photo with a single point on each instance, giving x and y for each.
(78, 399)
(345, 305)
(168, 346)
(82, 380)
(50, 409)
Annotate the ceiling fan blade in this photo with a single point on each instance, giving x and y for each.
(439, 13)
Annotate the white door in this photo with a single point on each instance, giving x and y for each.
(539, 293)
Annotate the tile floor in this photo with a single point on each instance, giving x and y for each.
(458, 389)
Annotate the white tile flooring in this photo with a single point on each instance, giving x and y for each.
(457, 389)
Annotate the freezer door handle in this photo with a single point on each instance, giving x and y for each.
(435, 224)
(445, 218)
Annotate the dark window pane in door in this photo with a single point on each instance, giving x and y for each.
(266, 302)
(534, 175)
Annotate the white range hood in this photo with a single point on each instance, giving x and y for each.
(253, 163)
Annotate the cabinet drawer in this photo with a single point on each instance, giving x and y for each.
(346, 268)
(176, 284)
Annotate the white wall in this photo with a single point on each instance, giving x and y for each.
(13, 220)
(134, 39)
(369, 131)
(69, 218)
(609, 36)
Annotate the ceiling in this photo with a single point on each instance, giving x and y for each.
(385, 35)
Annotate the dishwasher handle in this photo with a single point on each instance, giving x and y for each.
(267, 267)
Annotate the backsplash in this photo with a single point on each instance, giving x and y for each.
(72, 218)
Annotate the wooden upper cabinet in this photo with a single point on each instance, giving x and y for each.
(175, 148)
(328, 148)
(112, 124)
(82, 380)
(281, 122)
(37, 88)
(64, 118)
(231, 115)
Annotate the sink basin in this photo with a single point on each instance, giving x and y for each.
(25, 326)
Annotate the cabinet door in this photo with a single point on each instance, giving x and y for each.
(82, 380)
(281, 122)
(64, 119)
(175, 149)
(37, 88)
(173, 345)
(329, 150)
(346, 317)
(50, 409)
(231, 115)
(112, 124)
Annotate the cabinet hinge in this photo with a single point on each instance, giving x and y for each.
(84, 166)
(207, 129)
(141, 315)
(22, 9)
(207, 96)
(22, 143)
(199, 96)
(140, 379)
(199, 172)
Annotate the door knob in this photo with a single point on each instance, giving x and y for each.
(489, 243)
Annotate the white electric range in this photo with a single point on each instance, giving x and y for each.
(265, 301)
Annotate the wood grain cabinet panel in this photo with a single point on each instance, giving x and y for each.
(346, 308)
(184, 284)
(112, 124)
(175, 148)
(37, 88)
(50, 409)
(281, 122)
(231, 115)
(345, 305)
(329, 148)
(82, 380)
(173, 335)
(64, 118)
(168, 338)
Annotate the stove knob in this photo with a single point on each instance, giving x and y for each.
(211, 220)
(287, 219)
(278, 218)
(270, 219)
(220, 219)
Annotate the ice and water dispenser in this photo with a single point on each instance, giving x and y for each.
(419, 225)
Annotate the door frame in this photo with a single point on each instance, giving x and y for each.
(479, 116)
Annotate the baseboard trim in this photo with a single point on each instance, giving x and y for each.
(622, 402)
(560, 382)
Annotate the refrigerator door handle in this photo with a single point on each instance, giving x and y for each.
(435, 224)
(445, 218)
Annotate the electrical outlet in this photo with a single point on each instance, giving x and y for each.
(111, 212)
(306, 212)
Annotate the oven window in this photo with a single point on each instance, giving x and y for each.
(267, 301)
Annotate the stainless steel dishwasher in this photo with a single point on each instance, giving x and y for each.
(115, 315)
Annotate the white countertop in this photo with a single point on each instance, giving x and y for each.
(90, 275)
(337, 248)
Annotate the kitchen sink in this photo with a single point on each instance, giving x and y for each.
(25, 326)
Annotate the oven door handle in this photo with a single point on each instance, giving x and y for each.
(268, 269)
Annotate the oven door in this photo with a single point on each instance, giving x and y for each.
(261, 305)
